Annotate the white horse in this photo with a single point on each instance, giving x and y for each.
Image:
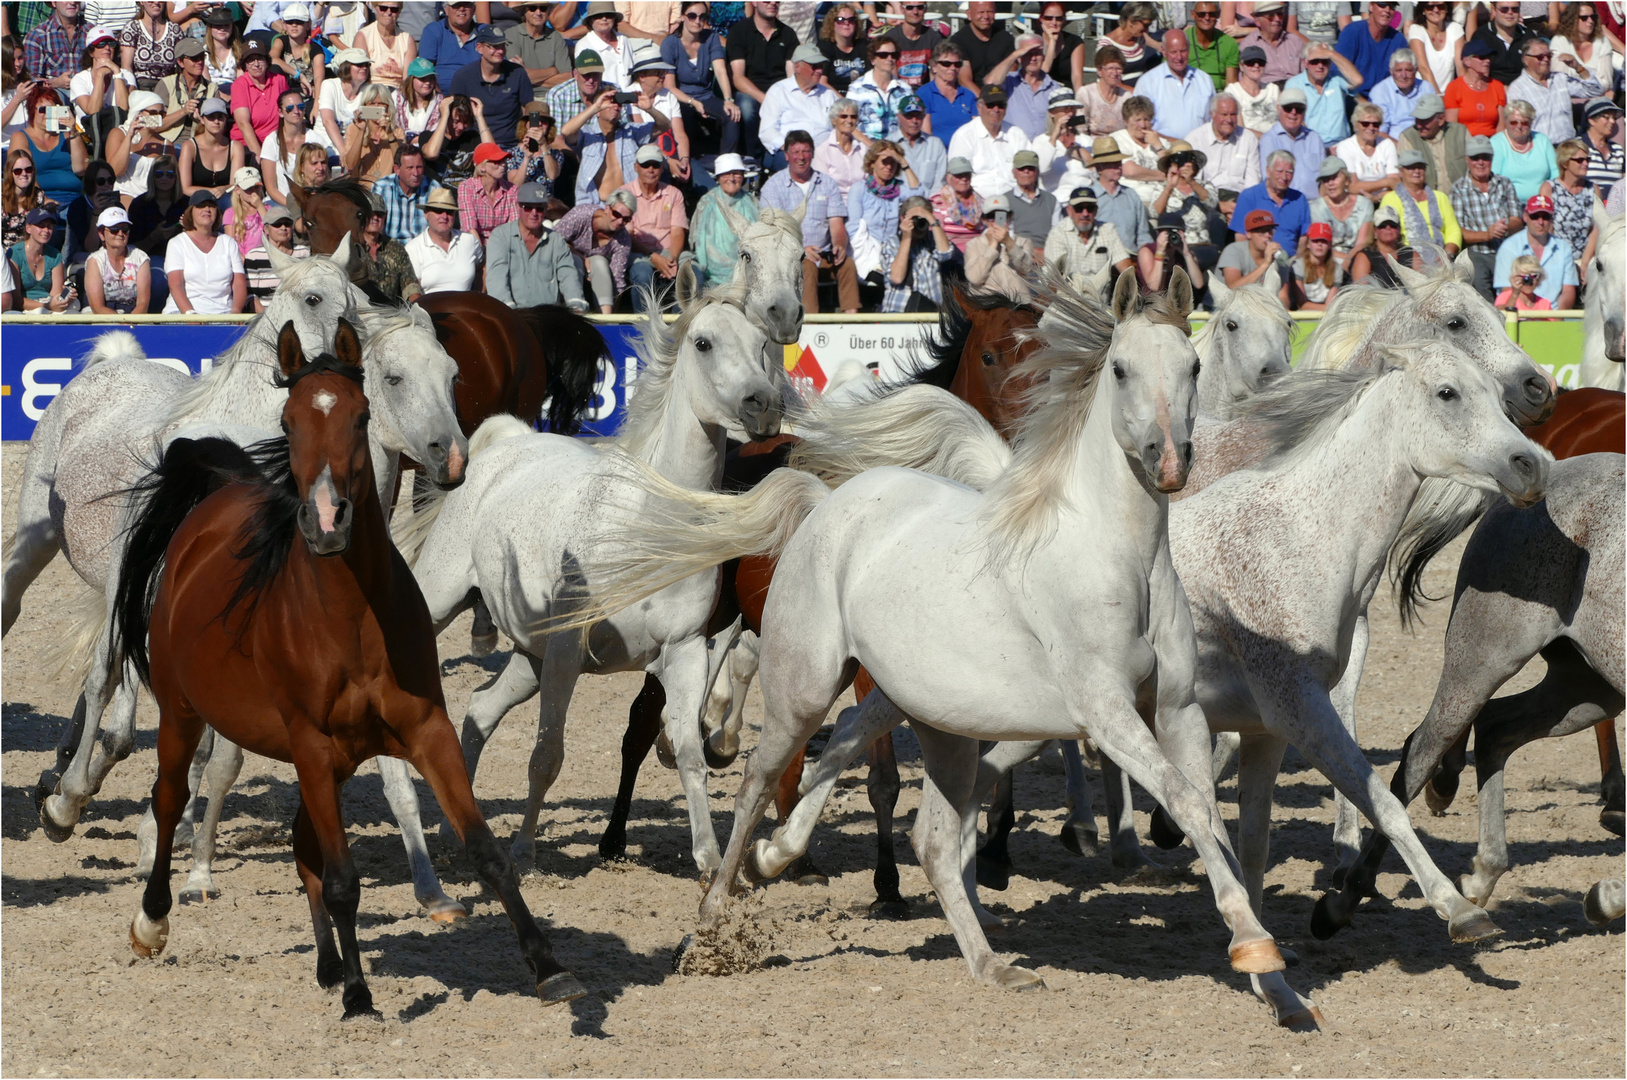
(1602, 321)
(768, 278)
(530, 523)
(1244, 346)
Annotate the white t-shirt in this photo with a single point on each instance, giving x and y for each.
(119, 287)
(82, 84)
(1602, 66)
(1381, 163)
(344, 111)
(208, 275)
(1440, 62)
(133, 182)
(271, 147)
(1256, 113)
(666, 101)
(446, 271)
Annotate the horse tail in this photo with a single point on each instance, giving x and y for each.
(919, 427)
(1442, 510)
(409, 531)
(68, 658)
(113, 345)
(189, 472)
(680, 533)
(574, 348)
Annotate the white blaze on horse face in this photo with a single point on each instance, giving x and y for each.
(324, 402)
(324, 497)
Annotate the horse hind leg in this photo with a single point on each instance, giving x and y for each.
(723, 742)
(1346, 822)
(993, 859)
(1079, 833)
(643, 727)
(483, 632)
(1612, 782)
(556, 672)
(185, 832)
(883, 786)
(487, 707)
(32, 544)
(82, 779)
(1124, 847)
(402, 795)
(225, 763)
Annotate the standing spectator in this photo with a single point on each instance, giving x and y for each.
(117, 281)
(957, 206)
(280, 149)
(759, 54)
(926, 154)
(1179, 92)
(220, 40)
(418, 106)
(1284, 48)
(949, 105)
(184, 91)
(844, 46)
(879, 92)
(527, 264)
(1372, 160)
(1436, 41)
(1256, 98)
(133, 146)
(990, 144)
(205, 269)
(501, 85)
(599, 243)
(391, 48)
(1326, 94)
(1292, 134)
(997, 259)
(341, 96)
(255, 94)
(242, 221)
(1373, 262)
(915, 40)
(147, 44)
(1214, 52)
(1245, 261)
(299, 53)
(444, 257)
(1348, 216)
(1573, 202)
(1502, 38)
(800, 103)
(449, 43)
(659, 228)
(1475, 99)
(487, 199)
(42, 273)
(1191, 208)
(1027, 85)
(914, 259)
(1129, 37)
(211, 157)
(700, 82)
(1081, 245)
(1102, 101)
(873, 204)
(1118, 206)
(1581, 35)
(1033, 210)
(979, 44)
(1370, 42)
(1551, 92)
(1399, 94)
(1317, 275)
(1605, 159)
(1426, 214)
(1290, 211)
(569, 99)
(1553, 255)
(841, 154)
(405, 194)
(536, 46)
(52, 49)
(1522, 154)
(1064, 52)
(385, 264)
(824, 222)
(262, 280)
(539, 156)
(370, 144)
(1488, 210)
(1526, 278)
(59, 155)
(606, 144)
(1231, 152)
(717, 248)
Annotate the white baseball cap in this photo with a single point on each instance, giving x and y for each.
(113, 215)
(246, 177)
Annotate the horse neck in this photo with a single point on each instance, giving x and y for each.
(1103, 487)
(1215, 399)
(683, 448)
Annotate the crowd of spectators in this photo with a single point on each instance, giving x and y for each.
(160, 153)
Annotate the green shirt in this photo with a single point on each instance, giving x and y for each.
(1215, 60)
(392, 271)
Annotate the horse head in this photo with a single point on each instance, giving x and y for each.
(770, 254)
(1151, 380)
(1244, 346)
(733, 378)
(1607, 282)
(315, 295)
(325, 420)
(995, 342)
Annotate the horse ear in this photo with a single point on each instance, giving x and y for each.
(1408, 277)
(1463, 266)
(1126, 296)
(1099, 282)
(688, 284)
(1180, 291)
(736, 220)
(290, 353)
(341, 254)
(800, 212)
(281, 265)
(1219, 291)
(1395, 356)
(1601, 217)
(1271, 280)
(346, 345)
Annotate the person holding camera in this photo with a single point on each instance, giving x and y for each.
(1170, 248)
(997, 259)
(1521, 294)
(368, 153)
(607, 140)
(184, 90)
(133, 146)
(58, 152)
(1064, 159)
(1188, 198)
(915, 260)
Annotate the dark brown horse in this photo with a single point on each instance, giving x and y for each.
(261, 595)
(969, 353)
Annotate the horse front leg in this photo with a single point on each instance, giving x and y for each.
(643, 728)
(1079, 833)
(1346, 822)
(685, 674)
(179, 731)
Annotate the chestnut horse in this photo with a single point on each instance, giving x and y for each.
(1585, 421)
(261, 596)
(969, 353)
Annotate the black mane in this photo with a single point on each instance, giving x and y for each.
(947, 341)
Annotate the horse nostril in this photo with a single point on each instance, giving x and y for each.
(437, 451)
(1536, 389)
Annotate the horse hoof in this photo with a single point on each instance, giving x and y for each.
(1164, 832)
(482, 644)
(613, 852)
(1605, 902)
(148, 936)
(55, 833)
(330, 973)
(1471, 926)
(1306, 1019)
(1438, 799)
(560, 986)
(717, 760)
(804, 872)
(664, 752)
(1614, 820)
(1289, 956)
(364, 1011)
(1080, 840)
(1259, 957)
(444, 910)
(678, 953)
(993, 875)
(194, 894)
(896, 908)
(1324, 922)
(1011, 977)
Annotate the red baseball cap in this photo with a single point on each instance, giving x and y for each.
(1539, 204)
(487, 151)
(1259, 219)
(1320, 230)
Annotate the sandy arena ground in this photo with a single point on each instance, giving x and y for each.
(1139, 982)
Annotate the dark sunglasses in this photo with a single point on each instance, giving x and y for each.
(298, 106)
(887, 55)
(1540, 217)
(1206, 14)
(532, 208)
(1368, 123)
(623, 218)
(701, 16)
(25, 171)
(1254, 63)
(161, 173)
(382, 9)
(116, 228)
(846, 19)
(949, 63)
(1293, 108)
(995, 105)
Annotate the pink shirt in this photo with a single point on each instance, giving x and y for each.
(1541, 303)
(261, 103)
(656, 217)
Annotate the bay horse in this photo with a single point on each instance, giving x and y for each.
(261, 595)
(970, 353)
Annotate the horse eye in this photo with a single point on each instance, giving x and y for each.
(1456, 322)
(1231, 325)
(1196, 367)
(313, 300)
(702, 345)
(745, 256)
(988, 359)
(1118, 371)
(393, 380)
(1446, 393)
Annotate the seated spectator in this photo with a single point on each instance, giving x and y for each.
(604, 37)
(873, 205)
(1195, 206)
(1373, 262)
(205, 269)
(840, 155)
(1438, 139)
(650, 76)
(1573, 202)
(1326, 94)
(1502, 36)
(539, 48)
(302, 58)
(1118, 206)
(340, 97)
(1522, 154)
(1130, 38)
(444, 257)
(449, 42)
(1526, 276)
(210, 158)
(659, 229)
(915, 257)
(1060, 108)
(927, 155)
(1141, 146)
(598, 240)
(155, 219)
(263, 281)
(1605, 157)
(1550, 88)
(147, 44)
(1290, 211)
(499, 84)
(1082, 245)
(310, 171)
(1172, 249)
(1475, 99)
(800, 103)
(1582, 35)
(1426, 214)
(846, 53)
(1553, 255)
(1065, 51)
(185, 90)
(981, 44)
(990, 144)
(1293, 136)
(1214, 52)
(917, 40)
(1179, 92)
(1317, 274)
(759, 53)
(1348, 216)
(958, 206)
(450, 149)
(527, 264)
(1028, 86)
(390, 47)
(1245, 261)
(404, 194)
(133, 146)
(1372, 160)
(1284, 49)
(717, 247)
(539, 155)
(1101, 102)
(100, 93)
(100, 193)
(54, 44)
(418, 106)
(243, 220)
(607, 141)
(700, 80)
(1033, 211)
(255, 94)
(824, 222)
(372, 138)
(223, 43)
(997, 260)
(879, 93)
(569, 99)
(487, 199)
(1231, 152)
(1255, 98)
(18, 195)
(1368, 43)
(117, 280)
(1064, 157)
(1488, 210)
(1434, 37)
(42, 273)
(949, 105)
(279, 151)
(1399, 94)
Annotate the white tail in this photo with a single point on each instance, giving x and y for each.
(411, 530)
(113, 345)
(68, 657)
(920, 427)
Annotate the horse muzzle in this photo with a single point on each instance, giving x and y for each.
(1527, 478)
(1167, 462)
(1615, 345)
(760, 415)
(326, 538)
(1534, 401)
(445, 462)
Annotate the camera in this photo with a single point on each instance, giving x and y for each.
(371, 112)
(57, 117)
(919, 227)
(626, 97)
(532, 145)
(151, 122)
(1528, 279)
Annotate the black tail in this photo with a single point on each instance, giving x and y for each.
(574, 347)
(189, 472)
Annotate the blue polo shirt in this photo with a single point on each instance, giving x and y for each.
(1372, 58)
(1293, 214)
(502, 99)
(947, 116)
(440, 47)
(1324, 110)
(1558, 264)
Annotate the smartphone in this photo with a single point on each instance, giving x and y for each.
(1000, 217)
(152, 121)
(370, 112)
(57, 117)
(626, 97)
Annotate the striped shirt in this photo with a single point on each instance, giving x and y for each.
(1604, 166)
(925, 274)
(263, 281)
(403, 213)
(49, 50)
